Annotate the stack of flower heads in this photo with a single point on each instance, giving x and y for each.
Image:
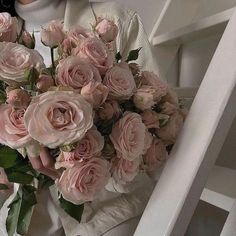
(109, 119)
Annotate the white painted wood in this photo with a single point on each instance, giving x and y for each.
(202, 28)
(177, 192)
(217, 199)
(230, 224)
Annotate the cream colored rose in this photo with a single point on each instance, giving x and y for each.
(128, 136)
(76, 73)
(13, 132)
(95, 93)
(120, 82)
(8, 28)
(124, 171)
(58, 118)
(84, 181)
(15, 60)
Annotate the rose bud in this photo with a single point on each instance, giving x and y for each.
(150, 119)
(18, 98)
(44, 82)
(109, 110)
(135, 69)
(53, 35)
(27, 40)
(95, 93)
(107, 30)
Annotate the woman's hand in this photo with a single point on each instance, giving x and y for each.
(44, 164)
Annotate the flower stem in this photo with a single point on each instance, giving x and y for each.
(52, 58)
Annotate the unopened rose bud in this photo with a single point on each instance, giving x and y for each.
(44, 82)
(18, 98)
(27, 40)
(135, 69)
(53, 35)
(107, 30)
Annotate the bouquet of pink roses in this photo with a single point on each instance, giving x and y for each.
(106, 119)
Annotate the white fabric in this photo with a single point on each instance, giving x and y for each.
(110, 209)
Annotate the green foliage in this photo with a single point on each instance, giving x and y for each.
(31, 76)
(133, 55)
(8, 157)
(21, 210)
(73, 210)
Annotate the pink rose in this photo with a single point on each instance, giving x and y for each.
(15, 60)
(76, 73)
(8, 27)
(109, 110)
(67, 46)
(128, 136)
(45, 82)
(171, 97)
(124, 171)
(84, 181)
(58, 118)
(13, 132)
(107, 30)
(96, 52)
(170, 131)
(155, 156)
(88, 147)
(53, 35)
(120, 81)
(151, 79)
(95, 93)
(168, 108)
(145, 97)
(150, 119)
(77, 34)
(18, 98)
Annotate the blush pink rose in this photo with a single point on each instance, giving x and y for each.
(88, 147)
(170, 131)
(96, 52)
(124, 171)
(168, 108)
(128, 136)
(150, 119)
(84, 181)
(120, 82)
(155, 156)
(76, 73)
(27, 40)
(44, 83)
(15, 60)
(107, 30)
(77, 34)
(109, 110)
(58, 118)
(95, 93)
(13, 132)
(8, 28)
(18, 98)
(53, 35)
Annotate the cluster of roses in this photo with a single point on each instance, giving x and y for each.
(110, 119)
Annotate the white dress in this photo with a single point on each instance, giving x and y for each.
(112, 214)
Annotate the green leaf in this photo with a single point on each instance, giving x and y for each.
(31, 76)
(3, 187)
(18, 177)
(13, 214)
(73, 210)
(8, 157)
(21, 210)
(133, 55)
(118, 56)
(45, 181)
(26, 210)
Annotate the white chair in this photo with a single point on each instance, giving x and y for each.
(178, 191)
